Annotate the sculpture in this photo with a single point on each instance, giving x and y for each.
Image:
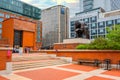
(81, 30)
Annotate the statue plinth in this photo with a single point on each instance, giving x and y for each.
(71, 43)
(77, 40)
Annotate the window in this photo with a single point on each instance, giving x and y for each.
(72, 34)
(86, 20)
(117, 21)
(93, 32)
(1, 19)
(72, 28)
(0, 25)
(93, 25)
(101, 24)
(62, 11)
(103, 36)
(0, 31)
(7, 16)
(93, 37)
(101, 31)
(109, 23)
(38, 32)
(93, 19)
(72, 23)
(1, 15)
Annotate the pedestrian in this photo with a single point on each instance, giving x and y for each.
(20, 50)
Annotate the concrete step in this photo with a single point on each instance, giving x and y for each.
(37, 64)
(27, 58)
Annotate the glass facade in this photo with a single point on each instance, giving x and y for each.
(96, 29)
(87, 5)
(20, 8)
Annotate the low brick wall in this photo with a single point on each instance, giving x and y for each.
(4, 58)
(114, 55)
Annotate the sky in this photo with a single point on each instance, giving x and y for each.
(73, 5)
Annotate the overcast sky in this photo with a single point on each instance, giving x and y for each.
(43, 4)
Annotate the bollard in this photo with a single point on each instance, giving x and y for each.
(107, 63)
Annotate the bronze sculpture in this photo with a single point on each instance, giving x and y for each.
(81, 30)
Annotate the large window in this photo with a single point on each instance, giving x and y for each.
(0, 31)
(101, 24)
(1, 19)
(1, 15)
(93, 19)
(117, 21)
(93, 37)
(7, 16)
(86, 20)
(101, 31)
(93, 25)
(62, 11)
(72, 29)
(103, 36)
(93, 31)
(72, 23)
(72, 35)
(109, 23)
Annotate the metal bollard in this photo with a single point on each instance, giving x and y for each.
(107, 63)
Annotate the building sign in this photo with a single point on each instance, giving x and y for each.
(62, 11)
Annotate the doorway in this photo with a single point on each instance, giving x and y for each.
(18, 37)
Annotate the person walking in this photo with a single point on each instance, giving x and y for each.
(20, 50)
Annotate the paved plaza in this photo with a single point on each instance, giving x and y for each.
(63, 72)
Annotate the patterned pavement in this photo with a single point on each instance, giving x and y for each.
(64, 72)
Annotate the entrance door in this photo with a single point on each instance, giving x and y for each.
(18, 38)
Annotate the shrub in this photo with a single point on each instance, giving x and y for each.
(81, 46)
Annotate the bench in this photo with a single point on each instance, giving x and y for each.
(89, 62)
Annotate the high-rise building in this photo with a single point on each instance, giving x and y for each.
(107, 5)
(55, 24)
(14, 10)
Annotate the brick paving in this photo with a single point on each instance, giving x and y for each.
(3, 78)
(62, 72)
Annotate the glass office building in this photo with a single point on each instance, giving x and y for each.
(19, 7)
(107, 5)
(96, 23)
